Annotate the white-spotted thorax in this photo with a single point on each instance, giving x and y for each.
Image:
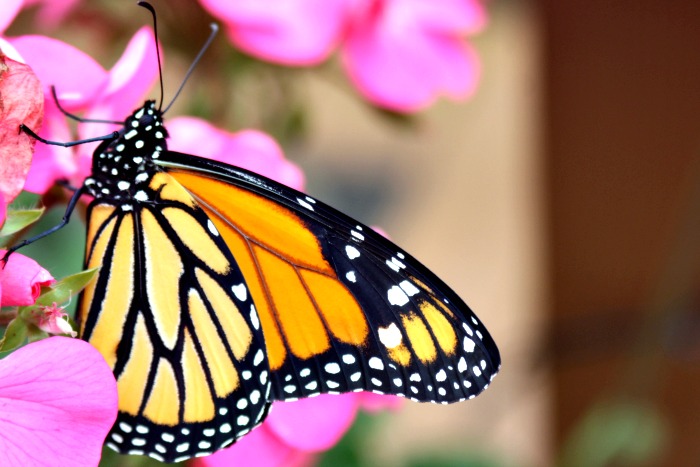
(122, 167)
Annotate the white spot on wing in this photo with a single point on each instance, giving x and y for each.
(352, 252)
(390, 336)
(409, 288)
(212, 228)
(397, 296)
(469, 345)
(392, 266)
(254, 320)
(376, 363)
(305, 203)
(259, 356)
(462, 365)
(240, 291)
(350, 275)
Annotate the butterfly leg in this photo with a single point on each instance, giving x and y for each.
(25, 129)
(66, 217)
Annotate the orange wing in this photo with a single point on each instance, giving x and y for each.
(170, 314)
(342, 308)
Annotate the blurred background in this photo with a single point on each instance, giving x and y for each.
(562, 202)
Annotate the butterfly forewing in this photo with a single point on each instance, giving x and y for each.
(342, 308)
(171, 313)
(220, 291)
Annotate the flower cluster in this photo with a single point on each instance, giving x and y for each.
(400, 54)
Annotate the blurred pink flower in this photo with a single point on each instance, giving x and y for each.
(59, 400)
(52, 12)
(400, 54)
(21, 280)
(248, 149)
(82, 86)
(296, 432)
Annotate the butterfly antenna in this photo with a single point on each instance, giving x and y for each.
(150, 8)
(214, 29)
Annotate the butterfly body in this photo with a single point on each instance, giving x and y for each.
(221, 291)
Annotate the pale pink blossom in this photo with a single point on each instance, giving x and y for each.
(59, 400)
(400, 54)
(52, 320)
(294, 433)
(21, 280)
(248, 149)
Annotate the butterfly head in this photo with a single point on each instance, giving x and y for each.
(118, 164)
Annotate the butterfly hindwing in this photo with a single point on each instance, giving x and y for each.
(172, 315)
(342, 308)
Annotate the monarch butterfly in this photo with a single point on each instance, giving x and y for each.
(220, 291)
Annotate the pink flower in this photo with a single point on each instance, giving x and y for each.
(59, 400)
(52, 12)
(248, 149)
(295, 432)
(21, 280)
(22, 102)
(82, 86)
(52, 320)
(400, 54)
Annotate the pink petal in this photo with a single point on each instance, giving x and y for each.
(403, 62)
(76, 76)
(261, 448)
(456, 17)
(314, 424)
(22, 102)
(59, 400)
(22, 279)
(3, 212)
(51, 163)
(371, 402)
(248, 149)
(299, 32)
(9, 10)
(128, 82)
(52, 12)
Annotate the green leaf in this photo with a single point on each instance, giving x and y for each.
(17, 220)
(617, 432)
(67, 288)
(15, 335)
